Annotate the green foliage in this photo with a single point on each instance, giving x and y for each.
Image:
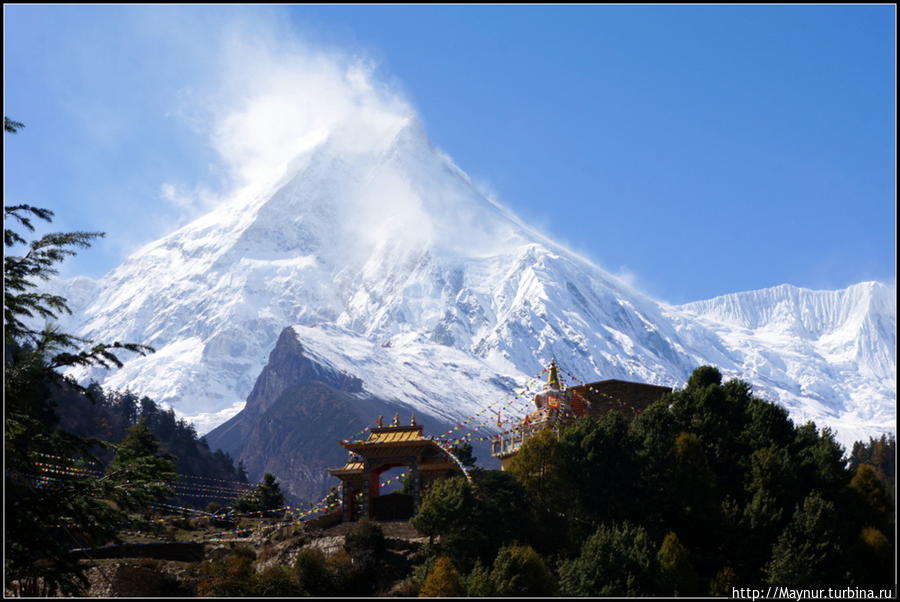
(108, 416)
(675, 567)
(881, 454)
(231, 576)
(618, 560)
(807, 552)
(599, 460)
(313, 574)
(752, 497)
(475, 520)
(268, 496)
(275, 582)
(45, 518)
(11, 126)
(873, 559)
(366, 537)
(442, 581)
(478, 582)
(144, 474)
(463, 453)
(269, 492)
(693, 476)
(519, 571)
(538, 468)
(446, 508)
(872, 499)
(703, 377)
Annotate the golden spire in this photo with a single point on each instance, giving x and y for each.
(553, 377)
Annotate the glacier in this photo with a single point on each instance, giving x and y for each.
(388, 260)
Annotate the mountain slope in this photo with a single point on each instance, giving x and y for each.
(829, 356)
(388, 248)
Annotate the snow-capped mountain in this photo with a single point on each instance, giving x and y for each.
(386, 252)
(828, 356)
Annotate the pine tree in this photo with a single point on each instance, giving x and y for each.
(618, 560)
(478, 582)
(675, 566)
(268, 496)
(139, 465)
(45, 517)
(442, 581)
(519, 571)
(807, 552)
(269, 492)
(872, 498)
(463, 453)
(873, 555)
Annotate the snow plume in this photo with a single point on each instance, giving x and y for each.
(274, 98)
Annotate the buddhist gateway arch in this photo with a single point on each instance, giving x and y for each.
(399, 445)
(389, 447)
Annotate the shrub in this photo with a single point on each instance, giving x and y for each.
(366, 536)
(230, 576)
(313, 575)
(275, 582)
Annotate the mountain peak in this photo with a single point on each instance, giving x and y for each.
(374, 239)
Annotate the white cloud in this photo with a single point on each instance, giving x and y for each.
(273, 98)
(188, 203)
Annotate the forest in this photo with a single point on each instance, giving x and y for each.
(710, 488)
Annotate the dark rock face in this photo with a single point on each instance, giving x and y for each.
(295, 417)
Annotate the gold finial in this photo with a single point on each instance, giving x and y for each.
(412, 421)
(396, 420)
(379, 422)
(553, 377)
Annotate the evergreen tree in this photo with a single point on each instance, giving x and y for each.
(675, 566)
(807, 554)
(46, 517)
(442, 581)
(139, 464)
(873, 557)
(538, 467)
(11, 126)
(600, 464)
(268, 496)
(463, 453)
(618, 560)
(445, 508)
(873, 502)
(519, 571)
(269, 492)
(478, 582)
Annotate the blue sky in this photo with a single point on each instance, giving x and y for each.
(698, 150)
